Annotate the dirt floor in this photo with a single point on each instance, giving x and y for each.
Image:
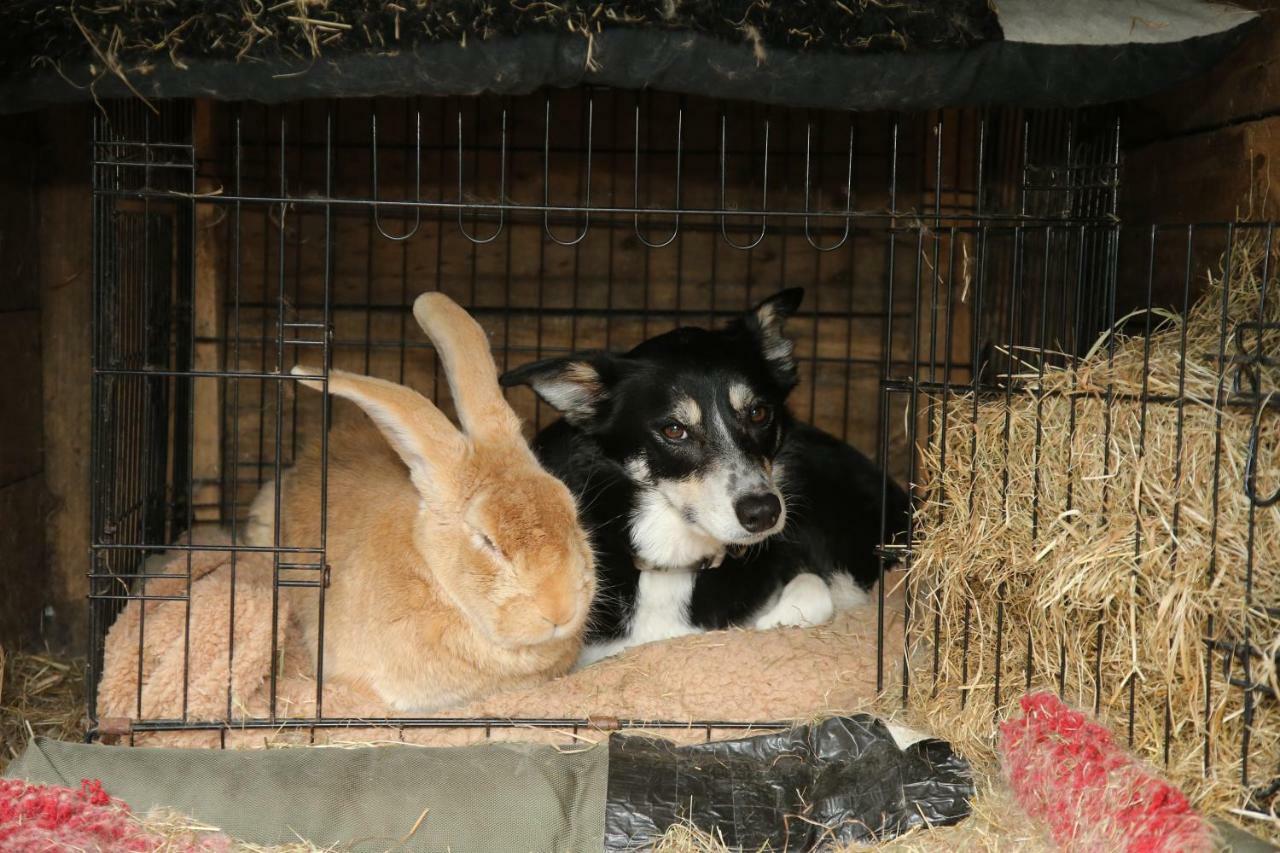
(42, 694)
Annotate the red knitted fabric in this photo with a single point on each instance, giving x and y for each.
(49, 819)
(1068, 771)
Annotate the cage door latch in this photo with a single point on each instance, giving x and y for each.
(112, 729)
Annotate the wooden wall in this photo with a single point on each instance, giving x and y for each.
(1206, 151)
(1192, 154)
(23, 578)
(44, 381)
(539, 299)
(62, 243)
(65, 221)
(619, 291)
(535, 297)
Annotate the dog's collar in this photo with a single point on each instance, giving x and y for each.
(712, 562)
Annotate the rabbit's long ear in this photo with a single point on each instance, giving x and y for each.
(418, 431)
(463, 347)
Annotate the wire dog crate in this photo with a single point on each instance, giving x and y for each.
(948, 256)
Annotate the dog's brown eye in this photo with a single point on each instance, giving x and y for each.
(675, 431)
(759, 414)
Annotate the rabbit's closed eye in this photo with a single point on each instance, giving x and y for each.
(484, 542)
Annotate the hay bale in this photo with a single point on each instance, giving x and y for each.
(1105, 564)
(40, 694)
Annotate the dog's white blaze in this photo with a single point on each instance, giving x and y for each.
(662, 612)
(845, 593)
(720, 428)
(712, 499)
(805, 601)
(661, 536)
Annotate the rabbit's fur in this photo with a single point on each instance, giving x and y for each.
(457, 563)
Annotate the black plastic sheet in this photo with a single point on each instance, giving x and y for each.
(841, 780)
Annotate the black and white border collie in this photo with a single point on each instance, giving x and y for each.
(707, 504)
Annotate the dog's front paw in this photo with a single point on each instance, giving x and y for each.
(805, 601)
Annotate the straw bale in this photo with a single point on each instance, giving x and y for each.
(1072, 536)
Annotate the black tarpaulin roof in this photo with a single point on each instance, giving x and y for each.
(846, 54)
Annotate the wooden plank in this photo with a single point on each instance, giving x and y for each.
(65, 209)
(208, 303)
(1219, 176)
(21, 289)
(1245, 84)
(370, 269)
(22, 505)
(22, 512)
(1203, 177)
(20, 428)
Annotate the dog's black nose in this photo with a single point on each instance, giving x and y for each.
(758, 512)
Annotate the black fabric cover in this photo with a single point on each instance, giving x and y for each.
(1053, 72)
(841, 780)
(180, 30)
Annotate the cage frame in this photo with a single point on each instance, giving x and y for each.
(1079, 196)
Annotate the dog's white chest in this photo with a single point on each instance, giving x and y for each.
(661, 612)
(661, 537)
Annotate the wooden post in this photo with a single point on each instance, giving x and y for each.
(22, 570)
(208, 298)
(65, 217)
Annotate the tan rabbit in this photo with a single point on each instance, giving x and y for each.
(458, 565)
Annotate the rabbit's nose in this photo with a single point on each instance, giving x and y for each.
(558, 616)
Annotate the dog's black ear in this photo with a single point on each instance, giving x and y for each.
(765, 323)
(575, 385)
